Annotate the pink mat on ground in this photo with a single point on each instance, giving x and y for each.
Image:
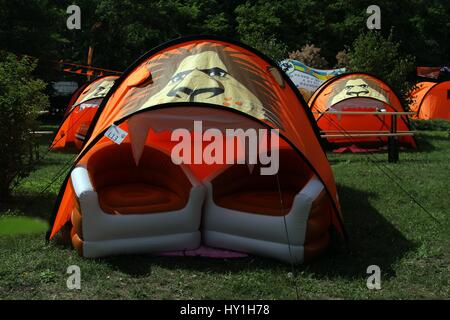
(355, 149)
(204, 251)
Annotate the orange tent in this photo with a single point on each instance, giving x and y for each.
(126, 192)
(80, 112)
(431, 100)
(358, 92)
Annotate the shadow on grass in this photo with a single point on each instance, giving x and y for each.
(141, 265)
(31, 205)
(427, 143)
(373, 240)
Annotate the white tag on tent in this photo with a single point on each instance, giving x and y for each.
(115, 134)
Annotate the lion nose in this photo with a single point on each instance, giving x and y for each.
(197, 86)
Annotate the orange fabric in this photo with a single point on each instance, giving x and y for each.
(162, 141)
(154, 185)
(418, 94)
(312, 250)
(431, 100)
(342, 124)
(111, 163)
(77, 242)
(238, 189)
(135, 198)
(277, 104)
(319, 220)
(76, 220)
(66, 205)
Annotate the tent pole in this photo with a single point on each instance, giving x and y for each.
(89, 59)
(392, 141)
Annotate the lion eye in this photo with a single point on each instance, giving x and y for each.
(178, 77)
(217, 74)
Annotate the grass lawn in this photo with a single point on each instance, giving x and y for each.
(385, 228)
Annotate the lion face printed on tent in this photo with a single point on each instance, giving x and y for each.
(356, 88)
(211, 74)
(204, 77)
(98, 91)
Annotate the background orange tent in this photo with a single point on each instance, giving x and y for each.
(358, 92)
(224, 84)
(80, 112)
(431, 100)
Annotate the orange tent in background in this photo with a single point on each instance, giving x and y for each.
(431, 100)
(80, 112)
(130, 196)
(358, 92)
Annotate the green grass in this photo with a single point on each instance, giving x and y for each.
(385, 227)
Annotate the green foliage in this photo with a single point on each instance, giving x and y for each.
(262, 18)
(310, 55)
(268, 45)
(129, 28)
(28, 27)
(21, 99)
(126, 29)
(374, 54)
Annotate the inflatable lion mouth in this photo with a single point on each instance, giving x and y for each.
(127, 191)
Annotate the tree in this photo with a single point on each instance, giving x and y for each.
(372, 53)
(30, 27)
(131, 28)
(341, 59)
(268, 45)
(21, 99)
(310, 55)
